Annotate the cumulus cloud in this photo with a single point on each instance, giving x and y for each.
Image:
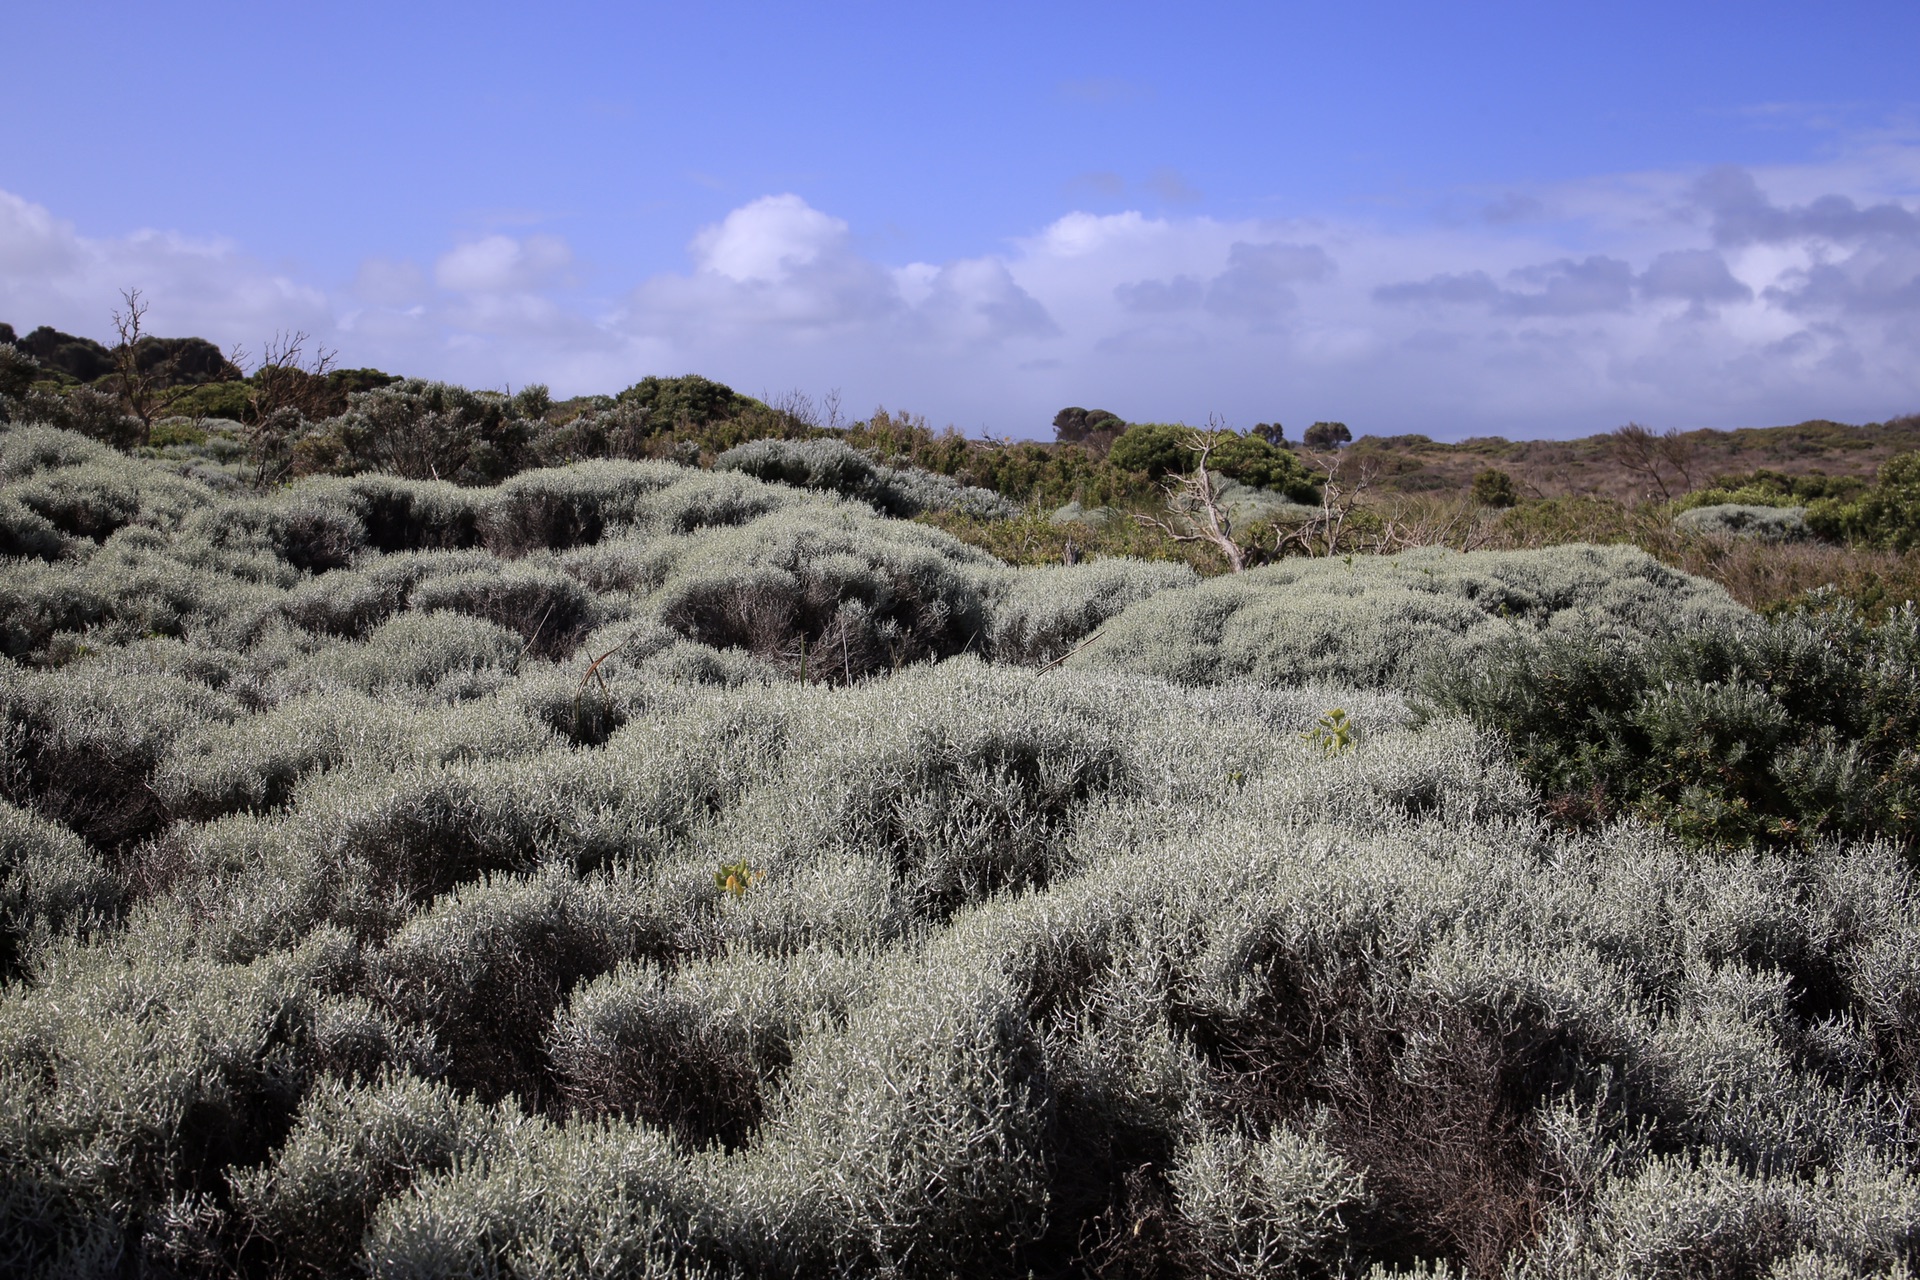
(1724, 298)
(1698, 276)
(1564, 287)
(1742, 214)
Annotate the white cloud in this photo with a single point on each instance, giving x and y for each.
(502, 264)
(769, 240)
(1720, 298)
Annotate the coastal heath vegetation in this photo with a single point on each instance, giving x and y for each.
(629, 867)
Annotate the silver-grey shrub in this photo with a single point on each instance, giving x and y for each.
(1044, 613)
(484, 969)
(833, 466)
(50, 883)
(1735, 520)
(80, 750)
(548, 609)
(696, 1050)
(353, 1146)
(1260, 1207)
(1373, 620)
(840, 593)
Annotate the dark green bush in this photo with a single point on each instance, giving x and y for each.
(1153, 449)
(1253, 461)
(18, 372)
(1793, 731)
(1494, 488)
(1886, 515)
(689, 400)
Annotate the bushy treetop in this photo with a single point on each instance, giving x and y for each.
(690, 398)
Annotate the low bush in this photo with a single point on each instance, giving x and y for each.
(1886, 515)
(51, 884)
(354, 924)
(826, 595)
(1794, 731)
(1773, 524)
(352, 1147)
(1375, 620)
(833, 466)
(548, 609)
(485, 968)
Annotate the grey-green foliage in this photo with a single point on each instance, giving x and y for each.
(1732, 519)
(834, 466)
(50, 884)
(1372, 620)
(1043, 613)
(354, 924)
(1257, 1207)
(830, 591)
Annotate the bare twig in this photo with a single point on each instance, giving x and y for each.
(1069, 653)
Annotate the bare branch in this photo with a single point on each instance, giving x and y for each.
(1187, 495)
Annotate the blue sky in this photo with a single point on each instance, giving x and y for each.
(1518, 219)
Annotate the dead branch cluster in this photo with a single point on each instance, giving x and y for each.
(1345, 524)
(1663, 460)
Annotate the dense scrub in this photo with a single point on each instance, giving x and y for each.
(636, 870)
(1790, 733)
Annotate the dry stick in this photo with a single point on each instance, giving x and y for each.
(593, 673)
(1069, 653)
(535, 636)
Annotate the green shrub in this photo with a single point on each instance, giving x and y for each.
(1886, 515)
(1493, 487)
(1794, 730)
(1153, 450)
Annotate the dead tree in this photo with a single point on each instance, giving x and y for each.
(289, 388)
(1194, 510)
(1645, 454)
(139, 388)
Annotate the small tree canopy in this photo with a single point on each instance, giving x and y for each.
(1328, 435)
(1073, 424)
(1494, 488)
(692, 398)
(1272, 432)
